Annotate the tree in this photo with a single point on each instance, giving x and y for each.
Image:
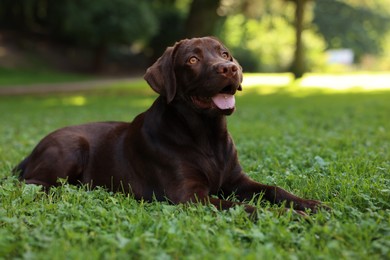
(202, 18)
(22, 15)
(178, 19)
(171, 22)
(96, 25)
(355, 24)
(100, 24)
(298, 67)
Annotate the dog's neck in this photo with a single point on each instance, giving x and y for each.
(195, 123)
(198, 120)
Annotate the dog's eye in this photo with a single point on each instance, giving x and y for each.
(225, 55)
(193, 60)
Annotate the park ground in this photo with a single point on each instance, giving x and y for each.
(324, 137)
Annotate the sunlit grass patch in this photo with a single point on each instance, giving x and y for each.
(268, 83)
(75, 100)
(267, 79)
(357, 82)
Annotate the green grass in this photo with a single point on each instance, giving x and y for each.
(333, 147)
(10, 77)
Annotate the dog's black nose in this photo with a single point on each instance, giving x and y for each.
(227, 69)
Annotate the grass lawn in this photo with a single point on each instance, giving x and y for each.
(326, 145)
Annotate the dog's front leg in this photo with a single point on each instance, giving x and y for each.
(246, 189)
(224, 204)
(201, 195)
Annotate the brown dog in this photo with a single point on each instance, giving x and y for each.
(178, 150)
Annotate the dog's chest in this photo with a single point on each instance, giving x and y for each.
(213, 163)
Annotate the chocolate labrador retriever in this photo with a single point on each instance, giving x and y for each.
(178, 150)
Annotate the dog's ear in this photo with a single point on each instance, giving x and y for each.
(161, 75)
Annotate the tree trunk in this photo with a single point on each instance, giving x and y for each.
(202, 18)
(298, 67)
(100, 53)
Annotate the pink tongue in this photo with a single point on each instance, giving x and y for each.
(224, 101)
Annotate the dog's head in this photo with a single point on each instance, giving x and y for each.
(200, 71)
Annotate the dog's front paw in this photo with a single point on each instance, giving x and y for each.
(312, 205)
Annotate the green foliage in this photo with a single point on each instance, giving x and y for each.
(358, 27)
(171, 21)
(384, 60)
(102, 22)
(265, 38)
(260, 33)
(91, 23)
(332, 147)
(267, 44)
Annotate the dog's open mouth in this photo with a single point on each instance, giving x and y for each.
(224, 100)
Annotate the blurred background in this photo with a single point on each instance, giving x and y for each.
(123, 37)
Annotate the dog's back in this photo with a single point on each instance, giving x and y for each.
(67, 152)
